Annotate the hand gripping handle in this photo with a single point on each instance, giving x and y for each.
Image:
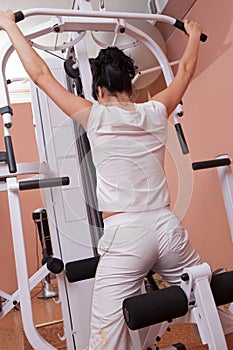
(180, 25)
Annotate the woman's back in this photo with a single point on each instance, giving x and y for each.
(128, 153)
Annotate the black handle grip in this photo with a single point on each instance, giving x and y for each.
(180, 134)
(10, 154)
(211, 163)
(43, 183)
(80, 270)
(19, 16)
(180, 25)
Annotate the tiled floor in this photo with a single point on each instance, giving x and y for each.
(48, 320)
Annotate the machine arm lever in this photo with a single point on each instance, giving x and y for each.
(214, 163)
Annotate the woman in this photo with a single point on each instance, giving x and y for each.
(128, 142)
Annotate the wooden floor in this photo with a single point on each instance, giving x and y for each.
(48, 320)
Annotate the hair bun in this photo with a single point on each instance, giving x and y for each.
(113, 70)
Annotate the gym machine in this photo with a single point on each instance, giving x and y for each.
(150, 314)
(75, 232)
(198, 296)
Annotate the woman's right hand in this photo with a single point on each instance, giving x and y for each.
(6, 19)
(192, 28)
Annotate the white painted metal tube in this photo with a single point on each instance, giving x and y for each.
(98, 14)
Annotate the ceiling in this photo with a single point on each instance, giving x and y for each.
(119, 5)
(27, 4)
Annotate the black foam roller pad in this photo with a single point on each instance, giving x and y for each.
(222, 288)
(81, 269)
(54, 265)
(162, 305)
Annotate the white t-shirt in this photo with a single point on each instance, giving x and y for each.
(128, 153)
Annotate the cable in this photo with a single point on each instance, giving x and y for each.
(53, 54)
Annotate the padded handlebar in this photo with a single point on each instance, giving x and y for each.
(10, 154)
(43, 183)
(211, 163)
(19, 16)
(181, 138)
(180, 25)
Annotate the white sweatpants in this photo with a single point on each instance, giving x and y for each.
(132, 245)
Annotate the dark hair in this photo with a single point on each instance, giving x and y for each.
(113, 70)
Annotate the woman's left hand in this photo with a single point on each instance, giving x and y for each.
(6, 19)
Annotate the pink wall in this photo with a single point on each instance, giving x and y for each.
(208, 126)
(25, 151)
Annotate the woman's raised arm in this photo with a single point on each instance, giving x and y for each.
(40, 74)
(173, 94)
